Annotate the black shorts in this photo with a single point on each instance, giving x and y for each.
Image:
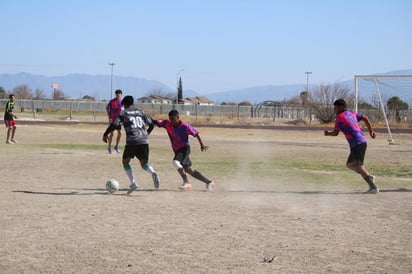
(182, 155)
(357, 155)
(141, 152)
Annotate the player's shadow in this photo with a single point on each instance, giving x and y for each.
(121, 192)
(320, 192)
(314, 192)
(60, 193)
(401, 189)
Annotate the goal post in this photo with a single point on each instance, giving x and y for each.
(379, 85)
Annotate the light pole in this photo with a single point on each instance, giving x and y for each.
(177, 85)
(111, 80)
(307, 80)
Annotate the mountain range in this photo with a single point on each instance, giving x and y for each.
(98, 86)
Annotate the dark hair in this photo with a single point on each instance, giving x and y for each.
(128, 100)
(11, 95)
(118, 91)
(174, 113)
(340, 102)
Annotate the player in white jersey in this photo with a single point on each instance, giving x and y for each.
(134, 121)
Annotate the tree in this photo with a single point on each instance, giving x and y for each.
(304, 96)
(322, 98)
(245, 103)
(161, 93)
(88, 97)
(22, 92)
(39, 94)
(58, 94)
(396, 104)
(2, 93)
(180, 91)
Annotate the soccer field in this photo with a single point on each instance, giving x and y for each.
(285, 195)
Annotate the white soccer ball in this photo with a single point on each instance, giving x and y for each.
(112, 185)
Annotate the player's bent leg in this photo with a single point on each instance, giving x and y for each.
(149, 168)
(177, 164)
(186, 185)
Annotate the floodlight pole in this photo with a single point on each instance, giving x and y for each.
(111, 80)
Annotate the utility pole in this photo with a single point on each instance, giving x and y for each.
(111, 80)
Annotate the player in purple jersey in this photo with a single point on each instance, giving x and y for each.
(134, 121)
(179, 132)
(113, 108)
(348, 123)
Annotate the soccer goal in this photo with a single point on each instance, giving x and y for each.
(378, 89)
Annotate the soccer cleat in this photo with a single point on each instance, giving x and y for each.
(211, 186)
(117, 148)
(9, 142)
(372, 191)
(131, 189)
(109, 149)
(13, 141)
(186, 186)
(156, 181)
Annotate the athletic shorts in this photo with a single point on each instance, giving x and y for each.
(357, 155)
(10, 123)
(182, 155)
(141, 152)
(119, 127)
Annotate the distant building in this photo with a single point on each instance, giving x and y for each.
(154, 99)
(198, 100)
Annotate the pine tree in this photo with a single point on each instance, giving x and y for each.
(180, 91)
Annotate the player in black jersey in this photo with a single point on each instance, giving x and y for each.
(134, 121)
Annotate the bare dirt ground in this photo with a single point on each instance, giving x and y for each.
(281, 195)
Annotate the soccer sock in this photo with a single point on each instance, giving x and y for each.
(149, 168)
(368, 179)
(185, 180)
(200, 177)
(128, 169)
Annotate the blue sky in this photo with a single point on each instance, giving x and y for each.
(219, 44)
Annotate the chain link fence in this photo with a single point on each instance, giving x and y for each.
(232, 112)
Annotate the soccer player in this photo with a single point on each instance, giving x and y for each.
(134, 121)
(10, 120)
(348, 123)
(179, 132)
(113, 108)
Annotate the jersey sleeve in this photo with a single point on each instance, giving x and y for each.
(162, 123)
(191, 130)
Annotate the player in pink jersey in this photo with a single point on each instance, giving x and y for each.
(348, 123)
(179, 132)
(113, 108)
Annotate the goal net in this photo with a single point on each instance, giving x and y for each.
(384, 97)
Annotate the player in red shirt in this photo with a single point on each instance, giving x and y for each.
(113, 108)
(348, 123)
(179, 132)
